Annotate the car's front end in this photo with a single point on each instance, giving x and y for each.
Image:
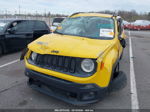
(72, 79)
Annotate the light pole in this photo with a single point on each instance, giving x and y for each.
(19, 9)
(6, 13)
(49, 16)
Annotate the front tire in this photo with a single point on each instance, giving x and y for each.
(118, 82)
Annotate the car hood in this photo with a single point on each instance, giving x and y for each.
(66, 45)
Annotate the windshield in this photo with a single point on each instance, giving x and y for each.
(2, 25)
(92, 27)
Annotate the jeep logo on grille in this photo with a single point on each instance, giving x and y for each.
(54, 51)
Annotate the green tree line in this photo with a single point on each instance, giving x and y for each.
(130, 16)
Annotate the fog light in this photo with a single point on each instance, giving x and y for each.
(89, 86)
(88, 96)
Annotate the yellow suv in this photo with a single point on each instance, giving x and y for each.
(79, 62)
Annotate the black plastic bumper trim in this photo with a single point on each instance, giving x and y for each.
(61, 89)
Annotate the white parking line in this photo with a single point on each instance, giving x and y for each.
(134, 97)
(9, 63)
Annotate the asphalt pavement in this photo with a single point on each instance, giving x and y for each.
(15, 94)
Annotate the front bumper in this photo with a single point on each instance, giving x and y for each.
(67, 91)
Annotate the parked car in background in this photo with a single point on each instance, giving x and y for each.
(137, 25)
(56, 21)
(16, 34)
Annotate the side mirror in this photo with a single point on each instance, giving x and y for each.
(11, 31)
(53, 28)
(122, 42)
(120, 28)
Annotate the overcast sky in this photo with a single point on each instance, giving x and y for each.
(71, 6)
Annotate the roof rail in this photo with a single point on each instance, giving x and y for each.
(114, 15)
(76, 13)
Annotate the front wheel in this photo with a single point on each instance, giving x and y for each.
(118, 82)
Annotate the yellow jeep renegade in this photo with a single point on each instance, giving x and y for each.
(79, 62)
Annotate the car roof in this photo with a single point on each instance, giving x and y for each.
(91, 14)
(13, 20)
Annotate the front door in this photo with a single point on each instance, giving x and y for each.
(19, 36)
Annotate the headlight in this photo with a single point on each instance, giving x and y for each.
(33, 56)
(87, 65)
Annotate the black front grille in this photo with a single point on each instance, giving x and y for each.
(57, 63)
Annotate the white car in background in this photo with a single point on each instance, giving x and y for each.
(141, 22)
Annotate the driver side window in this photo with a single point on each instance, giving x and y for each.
(12, 26)
(20, 27)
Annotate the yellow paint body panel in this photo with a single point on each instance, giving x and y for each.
(106, 51)
(92, 14)
(70, 45)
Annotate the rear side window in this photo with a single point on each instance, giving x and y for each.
(40, 25)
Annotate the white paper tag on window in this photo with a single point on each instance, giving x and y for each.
(107, 33)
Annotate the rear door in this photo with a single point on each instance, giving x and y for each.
(29, 31)
(40, 28)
